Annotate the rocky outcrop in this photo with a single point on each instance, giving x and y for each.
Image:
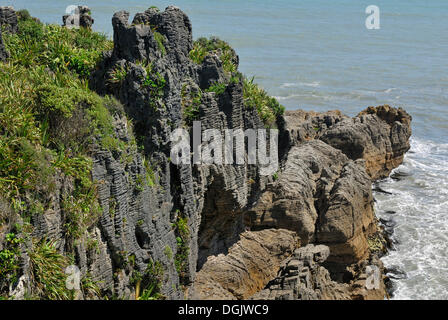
(324, 197)
(81, 18)
(378, 135)
(8, 19)
(211, 198)
(301, 277)
(247, 267)
(8, 23)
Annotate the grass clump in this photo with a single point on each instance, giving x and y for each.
(149, 283)
(118, 75)
(257, 98)
(191, 102)
(160, 39)
(181, 258)
(155, 83)
(203, 46)
(48, 266)
(218, 88)
(149, 174)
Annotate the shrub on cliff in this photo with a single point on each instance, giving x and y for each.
(255, 97)
(203, 46)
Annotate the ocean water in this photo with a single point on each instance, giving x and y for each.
(318, 55)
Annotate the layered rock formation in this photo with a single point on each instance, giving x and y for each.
(378, 135)
(302, 278)
(247, 267)
(225, 231)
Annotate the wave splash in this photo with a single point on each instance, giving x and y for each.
(416, 216)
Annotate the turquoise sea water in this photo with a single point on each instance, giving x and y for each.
(318, 54)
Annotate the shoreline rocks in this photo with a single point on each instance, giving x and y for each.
(379, 135)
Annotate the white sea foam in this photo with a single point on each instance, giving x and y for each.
(313, 84)
(420, 203)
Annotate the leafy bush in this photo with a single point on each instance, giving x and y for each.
(256, 98)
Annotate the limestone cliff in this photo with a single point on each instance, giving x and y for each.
(221, 231)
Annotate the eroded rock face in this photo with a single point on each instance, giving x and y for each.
(249, 265)
(3, 53)
(8, 19)
(324, 197)
(8, 23)
(301, 277)
(212, 198)
(378, 135)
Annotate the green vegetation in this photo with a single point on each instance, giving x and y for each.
(90, 288)
(160, 39)
(181, 258)
(49, 122)
(168, 252)
(48, 267)
(149, 283)
(203, 46)
(256, 98)
(155, 83)
(150, 175)
(191, 101)
(218, 88)
(58, 48)
(9, 260)
(118, 75)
